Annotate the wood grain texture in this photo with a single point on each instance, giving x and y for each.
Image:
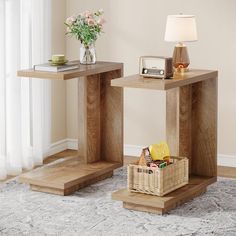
(84, 70)
(204, 130)
(172, 120)
(137, 81)
(178, 121)
(68, 191)
(137, 207)
(191, 125)
(144, 202)
(89, 118)
(185, 123)
(93, 118)
(191, 131)
(111, 118)
(51, 190)
(100, 134)
(82, 119)
(225, 171)
(64, 154)
(100, 120)
(67, 174)
(161, 211)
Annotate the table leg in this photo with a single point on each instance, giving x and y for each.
(204, 128)
(89, 118)
(178, 121)
(111, 118)
(100, 118)
(191, 125)
(100, 138)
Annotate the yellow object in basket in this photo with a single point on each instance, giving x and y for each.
(159, 151)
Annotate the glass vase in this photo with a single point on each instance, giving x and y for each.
(87, 54)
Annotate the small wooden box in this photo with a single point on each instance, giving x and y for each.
(158, 181)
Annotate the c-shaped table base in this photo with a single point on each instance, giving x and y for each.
(191, 131)
(100, 134)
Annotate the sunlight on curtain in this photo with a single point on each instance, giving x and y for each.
(24, 103)
(3, 172)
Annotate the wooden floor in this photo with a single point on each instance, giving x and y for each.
(228, 172)
(223, 171)
(66, 153)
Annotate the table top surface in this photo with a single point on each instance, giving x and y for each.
(83, 70)
(190, 77)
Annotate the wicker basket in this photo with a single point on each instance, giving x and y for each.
(158, 181)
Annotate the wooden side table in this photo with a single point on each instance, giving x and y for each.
(100, 133)
(191, 130)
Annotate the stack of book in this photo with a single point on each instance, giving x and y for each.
(57, 68)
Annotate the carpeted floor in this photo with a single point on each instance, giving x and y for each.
(92, 212)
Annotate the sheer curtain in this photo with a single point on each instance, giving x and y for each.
(24, 102)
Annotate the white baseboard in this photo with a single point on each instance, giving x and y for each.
(62, 145)
(222, 160)
(226, 160)
(72, 144)
(129, 150)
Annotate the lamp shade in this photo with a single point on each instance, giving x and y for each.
(181, 28)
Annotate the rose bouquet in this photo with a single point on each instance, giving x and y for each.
(86, 27)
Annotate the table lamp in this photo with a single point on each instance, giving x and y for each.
(180, 29)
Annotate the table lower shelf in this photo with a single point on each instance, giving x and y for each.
(65, 176)
(160, 205)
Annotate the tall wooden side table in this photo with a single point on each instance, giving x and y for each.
(191, 130)
(100, 133)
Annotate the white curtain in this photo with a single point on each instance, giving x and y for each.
(24, 102)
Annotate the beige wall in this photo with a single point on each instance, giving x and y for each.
(72, 52)
(59, 131)
(64, 94)
(136, 28)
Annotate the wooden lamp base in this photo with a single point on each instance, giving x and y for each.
(180, 58)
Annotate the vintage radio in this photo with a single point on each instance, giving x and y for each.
(156, 67)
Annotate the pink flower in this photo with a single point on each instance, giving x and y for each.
(101, 21)
(70, 20)
(90, 21)
(73, 18)
(87, 13)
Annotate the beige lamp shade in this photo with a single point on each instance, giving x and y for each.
(181, 28)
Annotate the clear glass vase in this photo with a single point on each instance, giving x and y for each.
(87, 54)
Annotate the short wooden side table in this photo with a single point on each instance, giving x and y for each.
(100, 133)
(191, 130)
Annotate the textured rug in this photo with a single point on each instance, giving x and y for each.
(91, 211)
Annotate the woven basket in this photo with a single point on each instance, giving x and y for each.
(158, 181)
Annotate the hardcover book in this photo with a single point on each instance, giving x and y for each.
(56, 68)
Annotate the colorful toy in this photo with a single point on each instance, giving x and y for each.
(153, 165)
(142, 160)
(159, 151)
(162, 165)
(155, 156)
(145, 158)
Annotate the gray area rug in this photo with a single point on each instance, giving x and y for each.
(91, 211)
